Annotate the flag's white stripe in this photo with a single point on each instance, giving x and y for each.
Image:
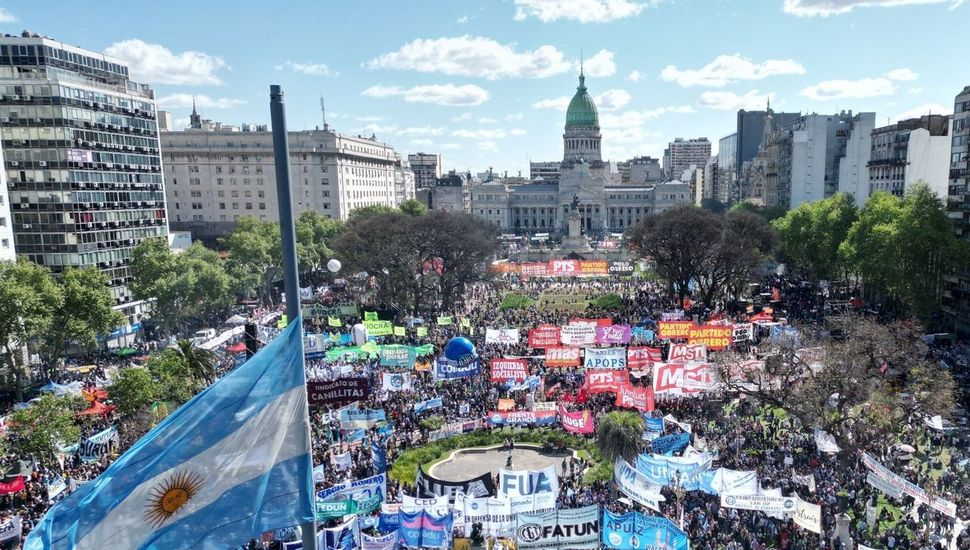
(269, 437)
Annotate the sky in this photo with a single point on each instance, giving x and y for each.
(485, 83)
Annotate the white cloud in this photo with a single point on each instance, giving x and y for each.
(924, 109)
(462, 117)
(915, 90)
(584, 11)
(634, 76)
(557, 103)
(438, 94)
(902, 74)
(479, 134)
(462, 20)
(631, 126)
(421, 142)
(726, 69)
(310, 69)
(473, 56)
(421, 131)
(156, 64)
(599, 65)
(487, 120)
(181, 123)
(610, 100)
(517, 132)
(451, 146)
(378, 129)
(849, 89)
(513, 117)
(370, 118)
(825, 8)
(7, 17)
(730, 101)
(487, 145)
(184, 101)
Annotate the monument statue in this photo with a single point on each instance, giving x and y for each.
(575, 204)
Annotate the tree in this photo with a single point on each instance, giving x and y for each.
(39, 430)
(365, 211)
(461, 247)
(412, 207)
(201, 363)
(313, 235)
(175, 380)
(619, 434)
(29, 298)
(860, 387)
(746, 242)
(134, 391)
(769, 213)
(255, 256)
(812, 233)
(188, 288)
(84, 313)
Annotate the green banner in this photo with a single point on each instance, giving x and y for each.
(421, 331)
(371, 504)
(398, 356)
(370, 316)
(379, 328)
(444, 320)
(282, 322)
(400, 331)
(335, 509)
(427, 349)
(466, 323)
(334, 322)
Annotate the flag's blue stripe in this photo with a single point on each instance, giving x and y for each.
(199, 424)
(279, 491)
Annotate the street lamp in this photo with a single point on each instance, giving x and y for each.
(679, 493)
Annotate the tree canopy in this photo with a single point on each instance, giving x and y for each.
(84, 313)
(812, 233)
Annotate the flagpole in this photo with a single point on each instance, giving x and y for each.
(291, 278)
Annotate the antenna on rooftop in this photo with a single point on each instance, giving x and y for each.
(323, 111)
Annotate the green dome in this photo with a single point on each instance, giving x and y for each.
(582, 110)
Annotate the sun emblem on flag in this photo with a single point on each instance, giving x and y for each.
(170, 495)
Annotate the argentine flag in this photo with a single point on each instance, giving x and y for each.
(225, 467)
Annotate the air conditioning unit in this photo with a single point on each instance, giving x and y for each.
(15, 97)
(42, 163)
(14, 163)
(5, 119)
(27, 98)
(26, 226)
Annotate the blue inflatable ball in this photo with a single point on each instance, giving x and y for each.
(458, 348)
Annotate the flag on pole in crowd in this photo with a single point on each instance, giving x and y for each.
(229, 465)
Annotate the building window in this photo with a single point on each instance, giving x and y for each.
(262, 206)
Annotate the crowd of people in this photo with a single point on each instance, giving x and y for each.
(744, 433)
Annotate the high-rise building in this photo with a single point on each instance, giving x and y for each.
(403, 182)
(81, 154)
(216, 175)
(911, 150)
(727, 167)
(821, 154)
(686, 153)
(426, 168)
(956, 293)
(643, 170)
(548, 170)
(7, 250)
(750, 130)
(165, 121)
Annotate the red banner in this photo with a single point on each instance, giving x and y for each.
(579, 422)
(562, 357)
(715, 337)
(544, 336)
(633, 397)
(601, 381)
(504, 267)
(564, 268)
(594, 267)
(674, 329)
(683, 378)
(643, 358)
(602, 322)
(533, 269)
(14, 486)
(500, 370)
(686, 353)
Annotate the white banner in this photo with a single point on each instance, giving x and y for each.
(578, 334)
(495, 515)
(636, 485)
(825, 442)
(742, 332)
(909, 488)
(396, 381)
(682, 425)
(542, 486)
(437, 506)
(685, 353)
(576, 528)
(341, 461)
(735, 482)
(885, 486)
(760, 503)
(11, 529)
(806, 480)
(683, 378)
(808, 516)
(605, 358)
(504, 336)
(385, 542)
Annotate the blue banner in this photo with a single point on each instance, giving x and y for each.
(670, 444)
(361, 419)
(785, 335)
(654, 424)
(409, 528)
(662, 469)
(531, 383)
(642, 333)
(378, 456)
(390, 520)
(446, 369)
(428, 404)
(635, 531)
(343, 537)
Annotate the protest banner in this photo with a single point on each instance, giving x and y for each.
(635, 531)
(542, 486)
(99, 444)
(437, 505)
(605, 358)
(634, 397)
(601, 322)
(578, 334)
(760, 503)
(506, 404)
(724, 481)
(564, 268)
(363, 418)
(636, 485)
(446, 369)
(533, 269)
(575, 528)
(383, 542)
(643, 358)
(544, 336)
(715, 337)
(502, 336)
(807, 516)
(327, 510)
(684, 353)
(514, 418)
(427, 486)
(394, 381)
(562, 357)
(501, 370)
(613, 334)
(398, 356)
(670, 443)
(579, 422)
(338, 391)
(674, 329)
(600, 381)
(663, 469)
(908, 487)
(742, 332)
(12, 529)
(454, 428)
(368, 493)
(884, 485)
(427, 405)
(538, 406)
(379, 328)
(682, 378)
(826, 442)
(318, 311)
(621, 268)
(594, 267)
